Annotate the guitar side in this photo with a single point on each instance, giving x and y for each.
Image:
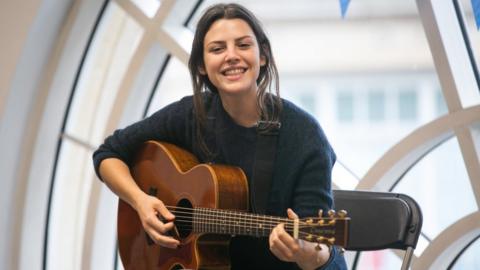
(175, 176)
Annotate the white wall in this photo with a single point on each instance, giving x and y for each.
(28, 32)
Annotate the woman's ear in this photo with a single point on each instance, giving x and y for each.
(202, 71)
(263, 55)
(263, 60)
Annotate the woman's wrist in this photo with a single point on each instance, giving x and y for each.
(317, 256)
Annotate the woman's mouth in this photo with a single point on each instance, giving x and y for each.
(234, 73)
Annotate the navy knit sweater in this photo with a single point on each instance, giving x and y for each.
(302, 168)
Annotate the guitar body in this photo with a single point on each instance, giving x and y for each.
(175, 177)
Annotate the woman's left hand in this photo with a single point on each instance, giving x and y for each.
(286, 248)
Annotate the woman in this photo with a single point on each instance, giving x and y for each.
(233, 71)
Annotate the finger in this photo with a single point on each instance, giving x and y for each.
(164, 212)
(281, 250)
(287, 240)
(277, 246)
(291, 214)
(291, 243)
(158, 226)
(271, 240)
(163, 240)
(167, 227)
(155, 222)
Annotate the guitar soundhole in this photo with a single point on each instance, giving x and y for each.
(184, 218)
(177, 267)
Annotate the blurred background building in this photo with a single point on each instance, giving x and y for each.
(394, 84)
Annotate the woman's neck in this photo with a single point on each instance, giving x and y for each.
(242, 109)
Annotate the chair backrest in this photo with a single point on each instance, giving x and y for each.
(381, 220)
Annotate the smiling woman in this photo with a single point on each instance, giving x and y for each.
(233, 72)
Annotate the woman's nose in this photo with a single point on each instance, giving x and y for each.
(231, 55)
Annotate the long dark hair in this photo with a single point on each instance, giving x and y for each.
(268, 104)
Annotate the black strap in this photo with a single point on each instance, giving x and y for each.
(267, 135)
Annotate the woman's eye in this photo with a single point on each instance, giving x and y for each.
(245, 45)
(216, 49)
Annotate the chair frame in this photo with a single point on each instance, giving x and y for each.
(381, 220)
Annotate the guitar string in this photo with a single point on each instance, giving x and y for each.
(287, 223)
(241, 222)
(244, 223)
(219, 213)
(212, 225)
(302, 235)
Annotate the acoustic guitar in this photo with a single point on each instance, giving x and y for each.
(210, 204)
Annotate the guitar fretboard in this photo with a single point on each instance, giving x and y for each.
(235, 223)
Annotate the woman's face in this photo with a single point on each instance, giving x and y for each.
(232, 57)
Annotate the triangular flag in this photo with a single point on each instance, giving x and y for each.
(476, 12)
(344, 6)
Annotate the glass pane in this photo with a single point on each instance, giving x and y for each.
(69, 206)
(149, 7)
(112, 49)
(174, 85)
(407, 105)
(308, 101)
(343, 178)
(474, 33)
(422, 244)
(344, 106)
(379, 260)
(436, 181)
(145, 81)
(469, 259)
(376, 105)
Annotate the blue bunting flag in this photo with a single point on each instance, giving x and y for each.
(344, 6)
(476, 12)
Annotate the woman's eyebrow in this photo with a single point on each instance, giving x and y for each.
(244, 37)
(223, 41)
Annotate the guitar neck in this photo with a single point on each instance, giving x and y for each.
(219, 221)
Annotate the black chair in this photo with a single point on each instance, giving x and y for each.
(381, 220)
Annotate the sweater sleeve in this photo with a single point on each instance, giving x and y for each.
(171, 124)
(313, 190)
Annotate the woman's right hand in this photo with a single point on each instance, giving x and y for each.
(150, 210)
(116, 175)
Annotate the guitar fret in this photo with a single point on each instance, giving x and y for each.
(202, 223)
(244, 227)
(215, 222)
(207, 224)
(234, 225)
(223, 222)
(248, 224)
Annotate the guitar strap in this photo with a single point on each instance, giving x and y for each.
(267, 137)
